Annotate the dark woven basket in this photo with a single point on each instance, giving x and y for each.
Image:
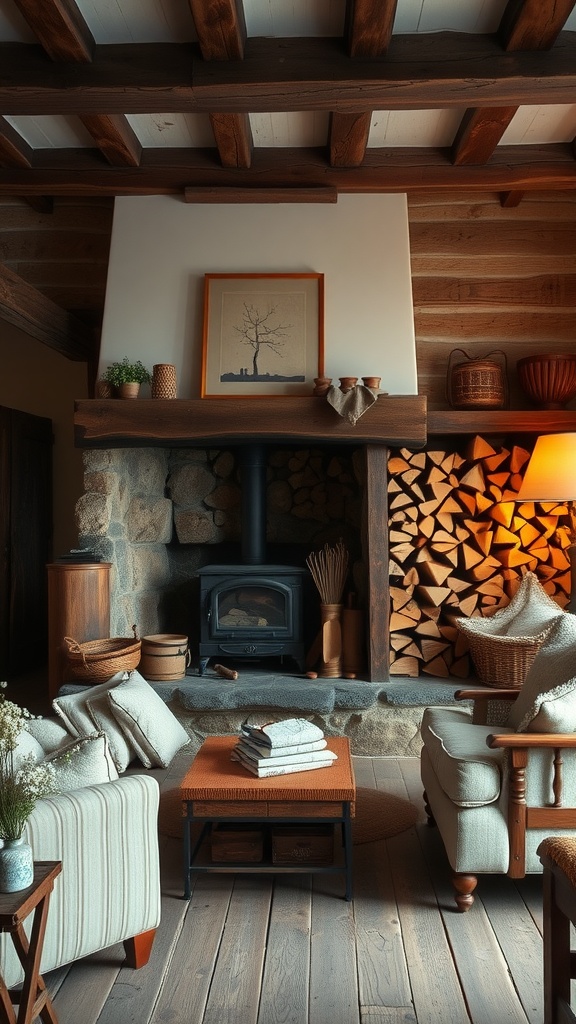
(96, 660)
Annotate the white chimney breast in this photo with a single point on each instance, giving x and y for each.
(161, 248)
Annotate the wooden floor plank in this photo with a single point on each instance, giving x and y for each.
(185, 991)
(490, 993)
(285, 983)
(382, 971)
(88, 985)
(333, 977)
(391, 1015)
(520, 941)
(135, 993)
(235, 990)
(436, 990)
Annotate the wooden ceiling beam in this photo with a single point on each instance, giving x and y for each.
(27, 309)
(60, 27)
(479, 133)
(14, 150)
(349, 138)
(369, 25)
(527, 25)
(114, 137)
(421, 71)
(533, 24)
(401, 169)
(233, 137)
(221, 28)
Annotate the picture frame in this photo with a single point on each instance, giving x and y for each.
(263, 334)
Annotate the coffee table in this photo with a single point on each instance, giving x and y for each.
(216, 789)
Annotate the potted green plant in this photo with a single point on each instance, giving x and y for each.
(127, 377)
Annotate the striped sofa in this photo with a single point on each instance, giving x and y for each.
(109, 891)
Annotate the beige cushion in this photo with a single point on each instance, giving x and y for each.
(26, 746)
(83, 762)
(547, 700)
(152, 729)
(51, 733)
(504, 645)
(88, 711)
(468, 771)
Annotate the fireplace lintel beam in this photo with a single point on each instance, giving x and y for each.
(394, 420)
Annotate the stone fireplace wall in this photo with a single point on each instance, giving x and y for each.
(159, 514)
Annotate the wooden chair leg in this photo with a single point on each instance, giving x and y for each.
(138, 949)
(464, 886)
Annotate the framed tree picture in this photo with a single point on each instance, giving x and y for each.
(263, 334)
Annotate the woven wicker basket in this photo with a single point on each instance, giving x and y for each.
(96, 660)
(503, 661)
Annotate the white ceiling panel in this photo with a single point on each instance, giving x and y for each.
(534, 125)
(449, 15)
(42, 132)
(293, 128)
(172, 131)
(413, 128)
(138, 21)
(277, 18)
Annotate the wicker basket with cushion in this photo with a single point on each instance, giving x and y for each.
(504, 645)
(96, 660)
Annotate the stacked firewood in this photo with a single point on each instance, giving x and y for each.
(459, 545)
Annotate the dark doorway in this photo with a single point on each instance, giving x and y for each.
(26, 539)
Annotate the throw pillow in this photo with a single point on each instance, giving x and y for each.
(25, 746)
(49, 732)
(153, 730)
(504, 645)
(549, 690)
(84, 762)
(81, 712)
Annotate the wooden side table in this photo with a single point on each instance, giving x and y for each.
(33, 1000)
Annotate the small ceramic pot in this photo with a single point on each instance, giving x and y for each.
(321, 385)
(347, 383)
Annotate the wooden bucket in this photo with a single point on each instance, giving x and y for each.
(165, 656)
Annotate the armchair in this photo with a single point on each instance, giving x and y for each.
(497, 791)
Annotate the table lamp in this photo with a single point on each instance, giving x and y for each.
(551, 476)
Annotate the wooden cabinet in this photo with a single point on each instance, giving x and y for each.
(78, 607)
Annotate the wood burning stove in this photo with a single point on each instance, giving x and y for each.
(252, 610)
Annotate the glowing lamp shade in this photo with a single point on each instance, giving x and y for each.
(551, 471)
(551, 476)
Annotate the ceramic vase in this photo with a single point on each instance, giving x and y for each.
(331, 661)
(163, 381)
(16, 865)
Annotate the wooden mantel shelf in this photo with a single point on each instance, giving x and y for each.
(116, 423)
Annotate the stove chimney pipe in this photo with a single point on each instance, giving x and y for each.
(253, 485)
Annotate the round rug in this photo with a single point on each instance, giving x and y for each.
(379, 815)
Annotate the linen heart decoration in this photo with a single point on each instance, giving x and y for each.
(354, 403)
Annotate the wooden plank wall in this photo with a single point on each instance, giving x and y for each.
(487, 278)
(64, 254)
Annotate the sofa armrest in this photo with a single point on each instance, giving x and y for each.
(483, 698)
(109, 890)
